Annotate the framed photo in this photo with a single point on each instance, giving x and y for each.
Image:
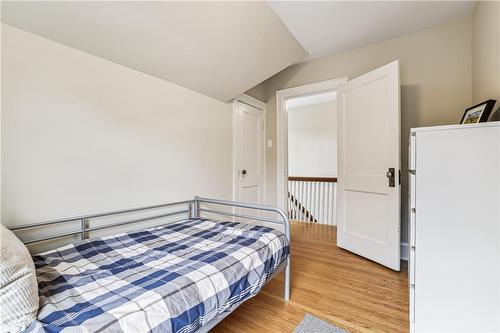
(478, 113)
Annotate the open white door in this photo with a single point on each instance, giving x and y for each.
(368, 197)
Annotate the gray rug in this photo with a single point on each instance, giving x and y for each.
(312, 324)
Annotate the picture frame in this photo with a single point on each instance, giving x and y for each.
(478, 113)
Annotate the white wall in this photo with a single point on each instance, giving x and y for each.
(312, 140)
(81, 134)
(486, 52)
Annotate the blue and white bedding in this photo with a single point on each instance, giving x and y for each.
(174, 278)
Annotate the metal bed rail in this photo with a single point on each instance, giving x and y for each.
(84, 219)
(193, 209)
(284, 218)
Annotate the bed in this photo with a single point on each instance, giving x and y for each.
(182, 276)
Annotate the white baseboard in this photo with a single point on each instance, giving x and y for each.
(405, 251)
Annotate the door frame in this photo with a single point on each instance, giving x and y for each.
(244, 98)
(282, 130)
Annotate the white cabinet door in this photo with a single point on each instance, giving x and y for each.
(368, 214)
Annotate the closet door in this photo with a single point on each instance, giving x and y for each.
(250, 161)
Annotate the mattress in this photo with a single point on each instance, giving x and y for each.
(173, 278)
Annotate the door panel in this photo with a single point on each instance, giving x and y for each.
(250, 154)
(251, 141)
(366, 157)
(375, 203)
(368, 215)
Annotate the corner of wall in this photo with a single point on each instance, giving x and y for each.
(258, 92)
(485, 51)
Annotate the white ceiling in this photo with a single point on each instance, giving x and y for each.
(325, 28)
(311, 99)
(222, 49)
(219, 49)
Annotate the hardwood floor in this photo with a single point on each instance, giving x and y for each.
(330, 283)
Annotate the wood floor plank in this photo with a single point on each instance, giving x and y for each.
(333, 284)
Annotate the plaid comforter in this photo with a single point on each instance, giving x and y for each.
(173, 278)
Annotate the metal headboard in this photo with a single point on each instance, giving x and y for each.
(192, 209)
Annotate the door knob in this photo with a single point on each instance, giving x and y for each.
(243, 172)
(390, 174)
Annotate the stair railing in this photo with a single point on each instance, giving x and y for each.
(312, 199)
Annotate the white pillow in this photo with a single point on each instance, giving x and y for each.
(18, 286)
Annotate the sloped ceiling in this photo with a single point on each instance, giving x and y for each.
(219, 49)
(328, 27)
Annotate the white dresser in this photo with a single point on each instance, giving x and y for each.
(454, 267)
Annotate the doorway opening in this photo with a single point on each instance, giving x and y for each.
(297, 197)
(312, 157)
(368, 161)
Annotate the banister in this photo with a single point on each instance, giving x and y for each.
(312, 179)
(312, 199)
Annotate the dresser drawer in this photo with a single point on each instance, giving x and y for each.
(412, 184)
(413, 229)
(412, 304)
(412, 153)
(411, 268)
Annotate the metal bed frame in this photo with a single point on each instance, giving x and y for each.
(190, 208)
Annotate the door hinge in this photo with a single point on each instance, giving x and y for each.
(399, 177)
